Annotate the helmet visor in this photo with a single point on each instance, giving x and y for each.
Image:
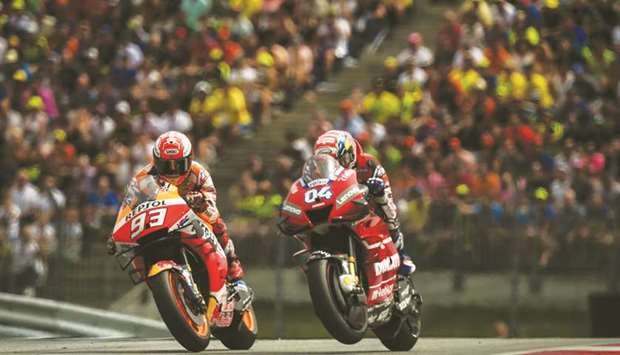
(347, 158)
(173, 168)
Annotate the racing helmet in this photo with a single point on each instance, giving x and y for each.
(172, 156)
(338, 144)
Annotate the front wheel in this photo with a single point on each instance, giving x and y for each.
(189, 329)
(330, 303)
(241, 333)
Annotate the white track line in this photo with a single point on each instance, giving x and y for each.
(599, 348)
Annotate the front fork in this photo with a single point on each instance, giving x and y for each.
(349, 281)
(190, 286)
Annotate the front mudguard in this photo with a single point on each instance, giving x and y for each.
(315, 255)
(321, 254)
(162, 266)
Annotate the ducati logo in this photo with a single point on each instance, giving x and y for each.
(387, 264)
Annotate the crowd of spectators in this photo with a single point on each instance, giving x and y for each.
(508, 124)
(509, 127)
(86, 86)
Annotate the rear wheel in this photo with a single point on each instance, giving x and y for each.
(331, 304)
(190, 329)
(241, 334)
(402, 337)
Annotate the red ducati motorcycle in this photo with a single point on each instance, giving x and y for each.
(154, 233)
(349, 258)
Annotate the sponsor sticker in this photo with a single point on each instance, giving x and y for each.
(290, 208)
(388, 264)
(144, 206)
(382, 292)
(317, 182)
(347, 195)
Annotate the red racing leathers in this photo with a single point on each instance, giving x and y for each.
(368, 167)
(371, 173)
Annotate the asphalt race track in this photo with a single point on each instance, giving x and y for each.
(451, 346)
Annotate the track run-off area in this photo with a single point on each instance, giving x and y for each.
(452, 346)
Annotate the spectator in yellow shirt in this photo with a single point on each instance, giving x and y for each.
(538, 84)
(466, 78)
(417, 210)
(481, 9)
(511, 84)
(198, 108)
(380, 105)
(227, 106)
(247, 7)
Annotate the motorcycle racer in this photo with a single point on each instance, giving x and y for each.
(349, 153)
(172, 164)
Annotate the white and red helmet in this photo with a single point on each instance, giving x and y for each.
(172, 155)
(340, 145)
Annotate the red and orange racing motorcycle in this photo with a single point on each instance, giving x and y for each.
(349, 258)
(195, 301)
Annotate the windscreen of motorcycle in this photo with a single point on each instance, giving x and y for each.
(322, 168)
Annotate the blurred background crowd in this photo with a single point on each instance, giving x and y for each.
(86, 86)
(507, 125)
(503, 140)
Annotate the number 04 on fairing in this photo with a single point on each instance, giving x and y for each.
(349, 258)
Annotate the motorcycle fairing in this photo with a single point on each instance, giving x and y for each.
(148, 217)
(382, 261)
(380, 313)
(161, 209)
(348, 202)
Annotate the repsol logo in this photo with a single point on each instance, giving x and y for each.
(387, 264)
(382, 292)
(144, 206)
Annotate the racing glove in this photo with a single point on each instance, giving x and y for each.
(196, 200)
(376, 186)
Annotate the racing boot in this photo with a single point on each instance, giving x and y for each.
(235, 270)
(407, 267)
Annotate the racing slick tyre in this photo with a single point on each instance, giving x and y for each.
(190, 329)
(241, 333)
(330, 303)
(405, 338)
